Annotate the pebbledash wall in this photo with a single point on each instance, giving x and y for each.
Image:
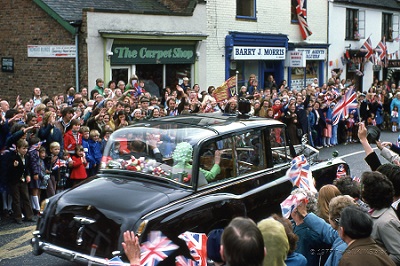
(24, 23)
(106, 31)
(272, 22)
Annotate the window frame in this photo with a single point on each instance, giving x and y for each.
(387, 26)
(352, 25)
(293, 13)
(252, 10)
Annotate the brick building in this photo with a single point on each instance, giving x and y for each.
(23, 23)
(44, 36)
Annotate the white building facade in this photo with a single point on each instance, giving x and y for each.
(254, 37)
(160, 49)
(351, 23)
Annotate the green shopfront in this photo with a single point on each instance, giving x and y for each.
(158, 63)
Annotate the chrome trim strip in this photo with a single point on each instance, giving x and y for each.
(68, 254)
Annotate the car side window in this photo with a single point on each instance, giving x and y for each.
(250, 152)
(278, 147)
(207, 167)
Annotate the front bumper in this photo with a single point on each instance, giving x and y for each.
(40, 246)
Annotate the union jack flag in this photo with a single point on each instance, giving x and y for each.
(58, 164)
(300, 173)
(381, 49)
(341, 171)
(291, 203)
(197, 244)
(157, 248)
(347, 101)
(36, 145)
(182, 261)
(301, 11)
(367, 47)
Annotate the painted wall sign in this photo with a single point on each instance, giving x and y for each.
(152, 54)
(258, 53)
(314, 54)
(53, 51)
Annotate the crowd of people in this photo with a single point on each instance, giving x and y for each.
(341, 224)
(49, 144)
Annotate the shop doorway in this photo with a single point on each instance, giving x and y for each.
(118, 74)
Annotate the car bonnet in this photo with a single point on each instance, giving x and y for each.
(118, 199)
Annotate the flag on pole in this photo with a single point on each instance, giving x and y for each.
(291, 203)
(226, 90)
(301, 10)
(367, 48)
(381, 49)
(342, 108)
(300, 174)
(197, 244)
(157, 248)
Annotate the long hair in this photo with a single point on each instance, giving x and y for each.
(326, 193)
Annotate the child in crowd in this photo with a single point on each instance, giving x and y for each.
(85, 131)
(78, 171)
(34, 168)
(53, 163)
(371, 121)
(72, 136)
(107, 133)
(63, 172)
(349, 128)
(44, 172)
(394, 118)
(95, 151)
(19, 178)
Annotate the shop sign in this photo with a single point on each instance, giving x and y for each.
(53, 51)
(314, 54)
(152, 54)
(296, 59)
(299, 83)
(393, 63)
(258, 53)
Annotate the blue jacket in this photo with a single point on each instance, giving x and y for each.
(95, 151)
(89, 157)
(329, 236)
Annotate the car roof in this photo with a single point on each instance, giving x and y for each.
(217, 122)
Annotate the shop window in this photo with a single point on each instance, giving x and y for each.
(246, 9)
(352, 24)
(299, 73)
(387, 27)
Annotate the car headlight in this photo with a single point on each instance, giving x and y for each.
(43, 205)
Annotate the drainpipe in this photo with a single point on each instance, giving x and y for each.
(76, 25)
(77, 60)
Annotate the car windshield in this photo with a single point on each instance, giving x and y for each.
(160, 150)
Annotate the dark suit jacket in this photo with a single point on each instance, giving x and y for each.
(16, 172)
